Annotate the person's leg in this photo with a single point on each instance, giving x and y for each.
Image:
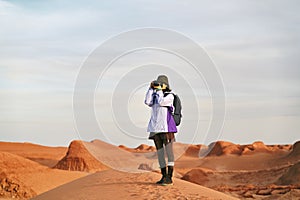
(170, 153)
(160, 150)
(161, 157)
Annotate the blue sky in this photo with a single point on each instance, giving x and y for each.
(255, 45)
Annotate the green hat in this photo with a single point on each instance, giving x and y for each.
(163, 79)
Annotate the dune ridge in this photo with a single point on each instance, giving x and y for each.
(47, 156)
(134, 186)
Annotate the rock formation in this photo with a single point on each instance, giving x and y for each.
(78, 158)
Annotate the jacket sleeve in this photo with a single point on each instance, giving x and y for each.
(149, 97)
(165, 101)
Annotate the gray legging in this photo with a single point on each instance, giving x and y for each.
(162, 143)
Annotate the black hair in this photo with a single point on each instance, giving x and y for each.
(167, 90)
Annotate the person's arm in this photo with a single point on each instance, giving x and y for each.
(149, 97)
(165, 101)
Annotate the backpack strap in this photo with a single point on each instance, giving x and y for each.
(170, 109)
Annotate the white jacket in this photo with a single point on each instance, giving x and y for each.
(161, 118)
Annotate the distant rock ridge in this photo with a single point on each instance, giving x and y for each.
(144, 147)
(220, 148)
(78, 158)
(141, 148)
(227, 148)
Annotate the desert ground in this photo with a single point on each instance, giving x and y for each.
(98, 170)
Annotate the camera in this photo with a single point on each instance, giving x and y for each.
(156, 83)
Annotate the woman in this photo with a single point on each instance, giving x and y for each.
(162, 125)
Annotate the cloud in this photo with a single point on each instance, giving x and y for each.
(5, 7)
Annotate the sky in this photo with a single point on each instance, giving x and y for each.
(254, 44)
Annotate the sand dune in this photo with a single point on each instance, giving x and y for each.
(30, 178)
(120, 159)
(11, 167)
(129, 159)
(44, 155)
(120, 185)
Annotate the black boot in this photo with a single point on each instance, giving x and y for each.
(164, 175)
(168, 179)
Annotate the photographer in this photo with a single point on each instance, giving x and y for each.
(162, 125)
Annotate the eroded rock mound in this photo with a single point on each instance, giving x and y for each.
(193, 150)
(223, 148)
(198, 176)
(78, 158)
(295, 150)
(292, 176)
(145, 166)
(144, 147)
(256, 147)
